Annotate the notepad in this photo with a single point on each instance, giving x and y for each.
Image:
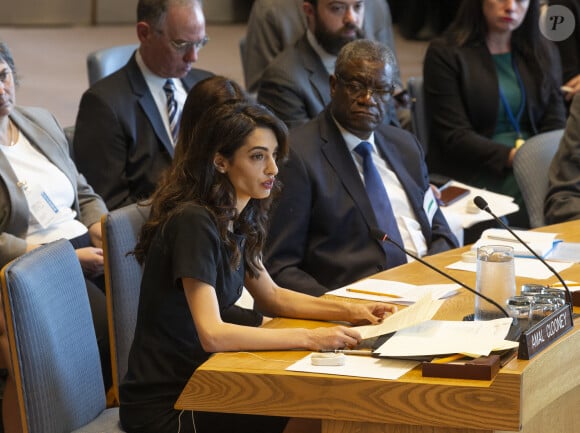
(541, 243)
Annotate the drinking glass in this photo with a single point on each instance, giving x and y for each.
(495, 278)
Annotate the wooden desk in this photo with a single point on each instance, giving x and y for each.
(537, 396)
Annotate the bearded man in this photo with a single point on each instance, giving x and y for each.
(295, 85)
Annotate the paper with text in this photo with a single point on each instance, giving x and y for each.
(422, 310)
(531, 268)
(438, 337)
(405, 293)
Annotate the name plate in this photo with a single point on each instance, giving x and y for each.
(545, 332)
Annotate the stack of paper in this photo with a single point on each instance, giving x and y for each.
(541, 243)
(437, 337)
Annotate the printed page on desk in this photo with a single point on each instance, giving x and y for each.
(541, 243)
(422, 310)
(438, 337)
(394, 291)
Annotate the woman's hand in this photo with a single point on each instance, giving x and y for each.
(96, 235)
(91, 260)
(336, 337)
(373, 313)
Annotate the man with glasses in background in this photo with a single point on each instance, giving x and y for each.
(349, 176)
(127, 123)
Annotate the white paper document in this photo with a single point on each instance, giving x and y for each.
(438, 337)
(541, 243)
(422, 310)
(402, 293)
(531, 268)
(358, 366)
(501, 205)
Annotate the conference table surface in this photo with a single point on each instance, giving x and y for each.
(541, 395)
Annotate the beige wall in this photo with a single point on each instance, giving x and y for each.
(59, 12)
(46, 12)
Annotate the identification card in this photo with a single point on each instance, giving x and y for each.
(41, 206)
(430, 205)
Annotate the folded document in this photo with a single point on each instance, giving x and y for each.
(541, 243)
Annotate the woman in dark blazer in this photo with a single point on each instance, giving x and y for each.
(492, 48)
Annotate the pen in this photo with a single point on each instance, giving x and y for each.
(447, 359)
(500, 238)
(368, 292)
(359, 352)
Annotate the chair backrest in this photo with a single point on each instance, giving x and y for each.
(53, 348)
(104, 62)
(418, 113)
(123, 273)
(531, 165)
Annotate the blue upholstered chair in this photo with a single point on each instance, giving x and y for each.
(120, 230)
(53, 348)
(104, 62)
(531, 165)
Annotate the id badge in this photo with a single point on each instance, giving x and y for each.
(41, 206)
(430, 205)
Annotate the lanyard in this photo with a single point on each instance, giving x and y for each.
(515, 121)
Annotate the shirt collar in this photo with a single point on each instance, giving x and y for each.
(153, 80)
(352, 140)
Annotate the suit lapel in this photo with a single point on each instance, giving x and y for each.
(148, 105)
(336, 152)
(318, 75)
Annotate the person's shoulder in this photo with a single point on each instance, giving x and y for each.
(37, 115)
(398, 136)
(292, 55)
(199, 74)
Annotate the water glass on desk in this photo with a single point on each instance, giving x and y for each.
(495, 278)
(543, 305)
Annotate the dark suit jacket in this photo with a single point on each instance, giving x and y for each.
(320, 229)
(295, 85)
(120, 142)
(563, 198)
(570, 47)
(462, 102)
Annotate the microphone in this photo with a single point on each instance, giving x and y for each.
(383, 237)
(482, 204)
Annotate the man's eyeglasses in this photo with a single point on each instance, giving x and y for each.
(356, 89)
(186, 46)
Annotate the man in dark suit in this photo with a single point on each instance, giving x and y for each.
(123, 134)
(321, 229)
(295, 84)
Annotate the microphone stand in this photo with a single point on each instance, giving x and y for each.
(385, 238)
(482, 204)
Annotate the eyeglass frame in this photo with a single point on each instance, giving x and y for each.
(185, 46)
(356, 89)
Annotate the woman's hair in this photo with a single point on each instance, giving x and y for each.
(470, 26)
(6, 57)
(212, 91)
(193, 178)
